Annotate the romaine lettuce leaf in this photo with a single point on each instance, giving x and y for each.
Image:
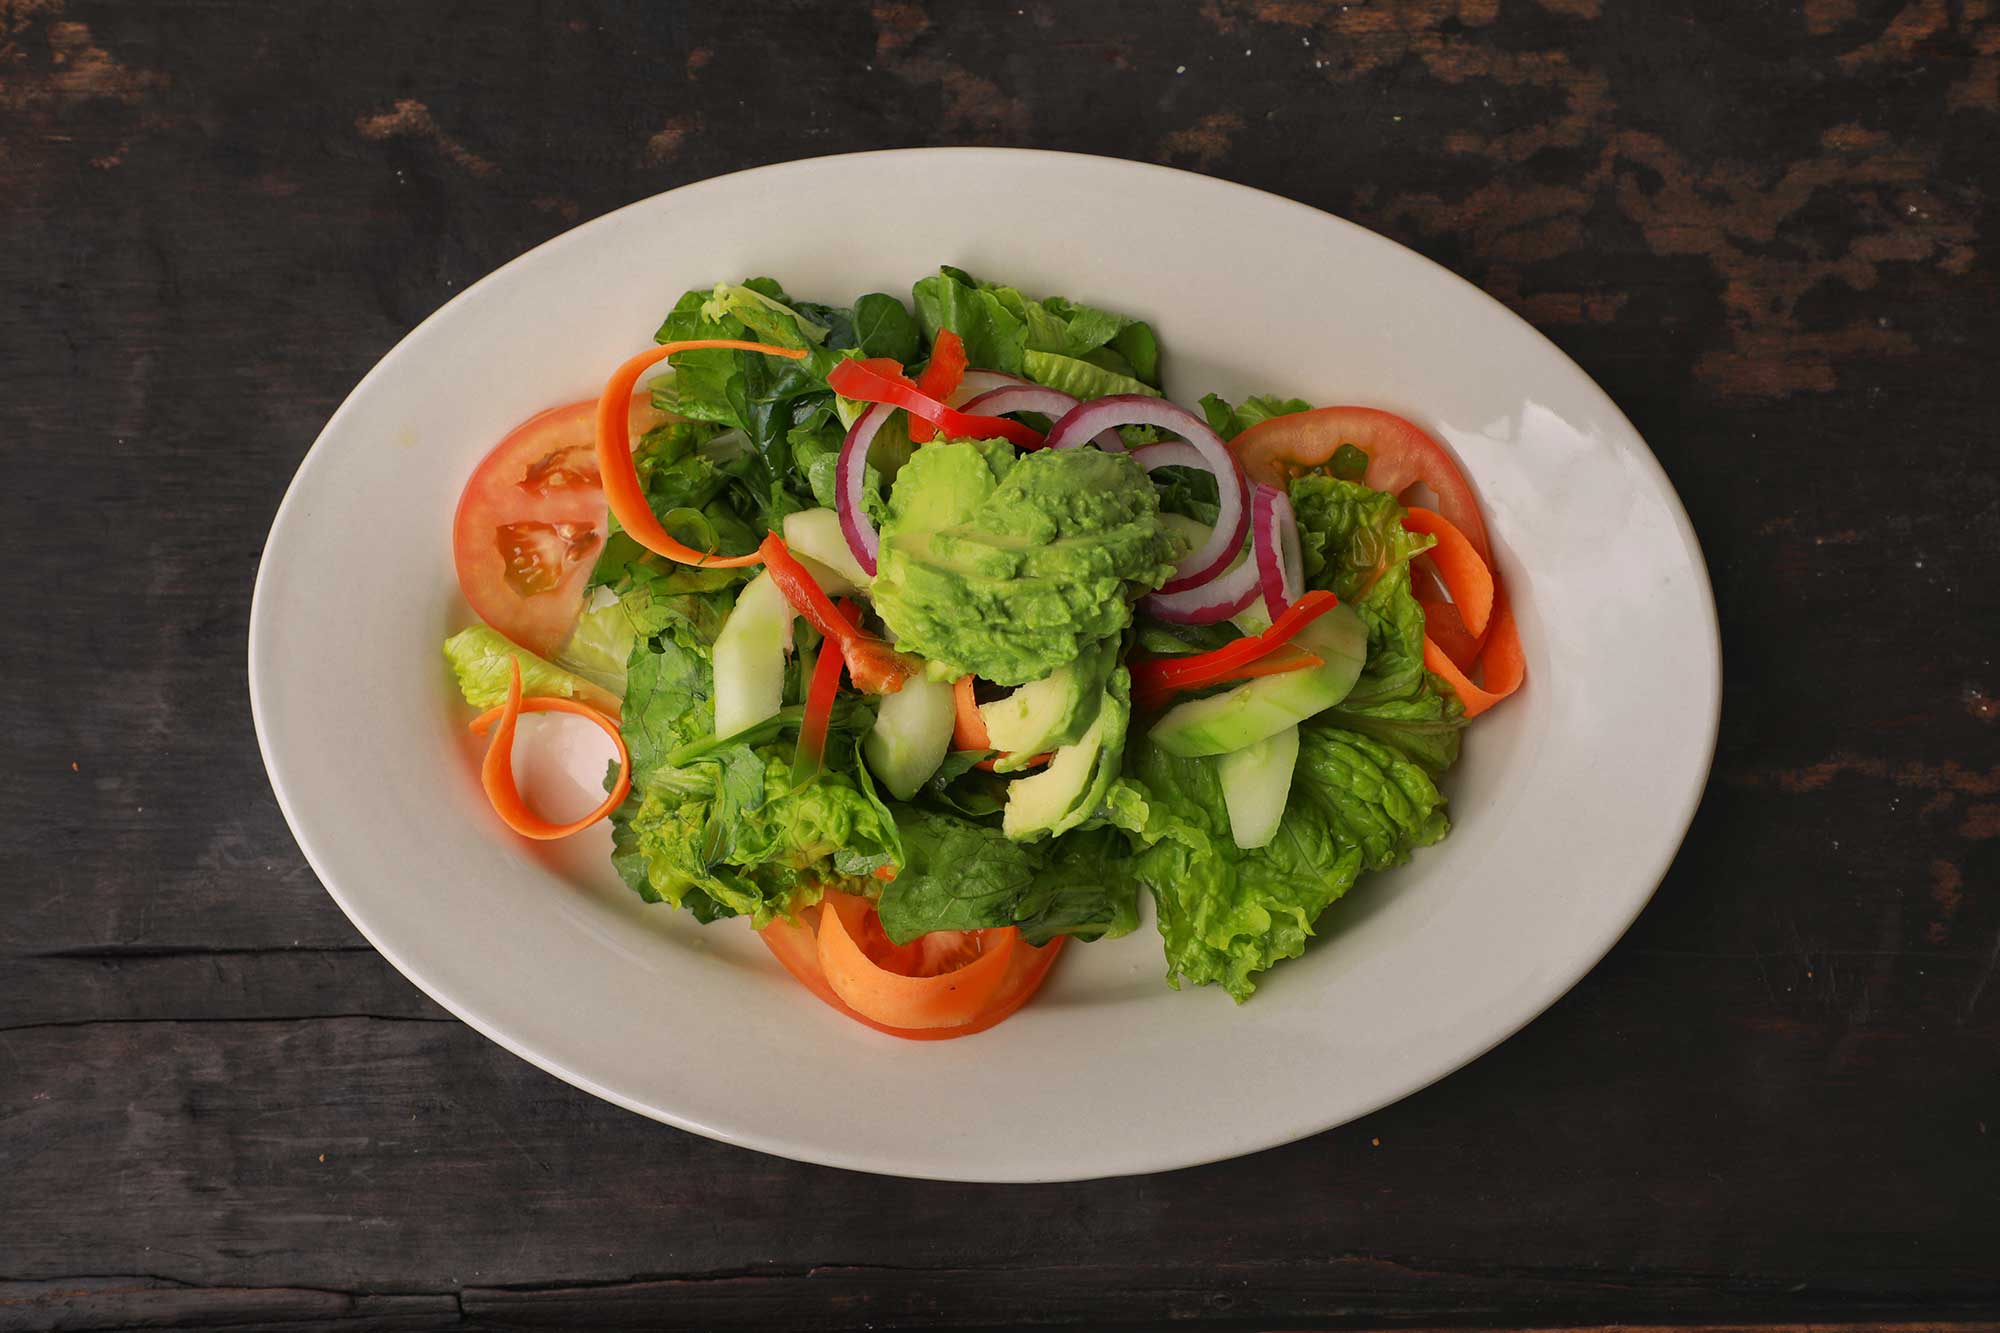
(1079, 379)
(479, 657)
(1005, 330)
(734, 828)
(994, 336)
(597, 649)
(1226, 913)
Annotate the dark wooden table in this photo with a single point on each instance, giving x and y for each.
(1768, 230)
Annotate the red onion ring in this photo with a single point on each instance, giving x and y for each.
(1215, 459)
(1274, 540)
(1132, 409)
(850, 486)
(1051, 403)
(1220, 598)
(975, 382)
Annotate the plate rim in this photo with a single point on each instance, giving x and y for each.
(1270, 1134)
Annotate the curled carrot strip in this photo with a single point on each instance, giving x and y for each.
(1466, 575)
(852, 954)
(622, 491)
(496, 774)
(1502, 662)
(968, 729)
(1441, 619)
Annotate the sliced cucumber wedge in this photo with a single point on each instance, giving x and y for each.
(750, 657)
(814, 536)
(911, 736)
(1256, 783)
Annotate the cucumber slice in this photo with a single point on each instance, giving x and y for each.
(911, 736)
(1256, 782)
(750, 657)
(1264, 707)
(814, 536)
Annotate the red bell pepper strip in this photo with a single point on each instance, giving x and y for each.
(622, 492)
(1160, 676)
(873, 665)
(940, 377)
(1290, 657)
(825, 688)
(865, 383)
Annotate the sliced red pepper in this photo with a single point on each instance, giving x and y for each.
(863, 382)
(940, 377)
(1158, 677)
(1290, 657)
(874, 666)
(825, 688)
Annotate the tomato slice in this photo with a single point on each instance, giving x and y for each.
(795, 944)
(530, 524)
(1400, 455)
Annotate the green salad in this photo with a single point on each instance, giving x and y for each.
(939, 611)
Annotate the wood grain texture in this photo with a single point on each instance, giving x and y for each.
(1767, 229)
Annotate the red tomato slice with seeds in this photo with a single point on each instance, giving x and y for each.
(1400, 455)
(532, 521)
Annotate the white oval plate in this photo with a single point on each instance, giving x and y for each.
(1567, 807)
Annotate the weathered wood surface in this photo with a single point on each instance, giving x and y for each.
(1767, 229)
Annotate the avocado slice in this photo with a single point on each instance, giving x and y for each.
(1079, 778)
(1049, 713)
(1264, 707)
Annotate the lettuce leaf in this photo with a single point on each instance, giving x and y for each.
(883, 327)
(1226, 914)
(1229, 422)
(734, 828)
(1005, 330)
(479, 658)
(1079, 379)
(720, 825)
(962, 875)
(757, 394)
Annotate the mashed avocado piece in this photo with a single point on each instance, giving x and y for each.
(1009, 567)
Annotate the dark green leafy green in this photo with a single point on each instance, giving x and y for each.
(963, 875)
(1229, 422)
(883, 327)
(1080, 349)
